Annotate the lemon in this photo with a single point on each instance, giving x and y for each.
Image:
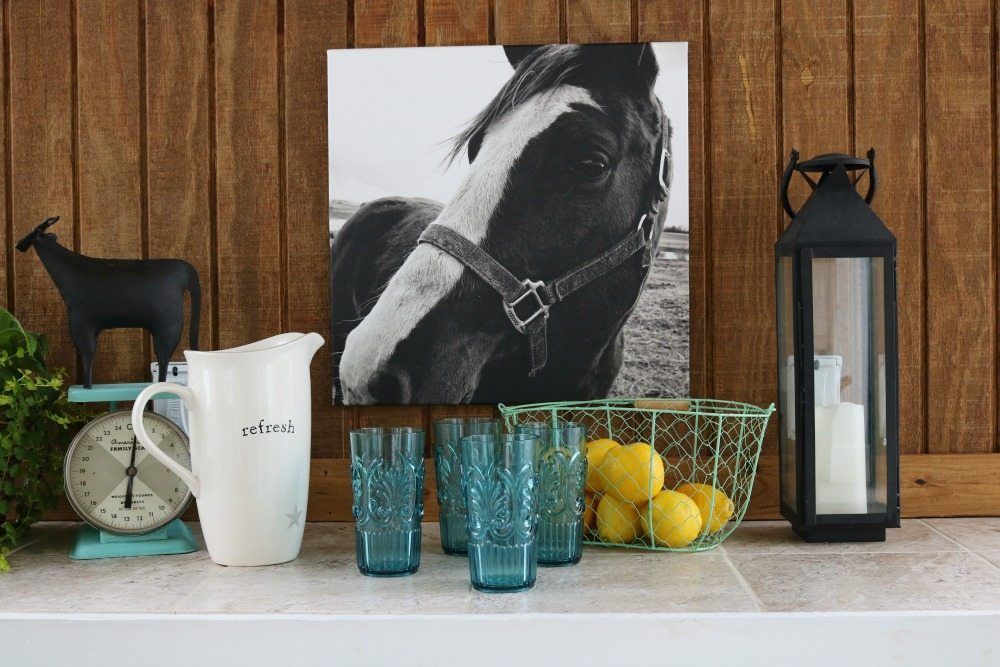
(633, 473)
(589, 512)
(673, 519)
(617, 520)
(705, 496)
(596, 449)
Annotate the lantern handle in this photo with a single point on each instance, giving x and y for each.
(793, 160)
(872, 179)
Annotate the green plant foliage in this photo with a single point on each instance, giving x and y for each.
(36, 424)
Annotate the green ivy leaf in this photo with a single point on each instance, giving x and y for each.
(36, 423)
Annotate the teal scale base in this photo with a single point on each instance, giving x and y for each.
(174, 538)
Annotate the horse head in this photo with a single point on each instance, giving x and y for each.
(564, 162)
(37, 233)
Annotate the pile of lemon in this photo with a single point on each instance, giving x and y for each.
(626, 498)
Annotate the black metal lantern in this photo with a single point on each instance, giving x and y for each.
(837, 357)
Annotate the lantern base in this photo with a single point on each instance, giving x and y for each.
(842, 534)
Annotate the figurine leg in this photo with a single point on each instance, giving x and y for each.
(85, 340)
(163, 349)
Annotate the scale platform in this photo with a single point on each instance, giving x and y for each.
(174, 538)
(91, 543)
(110, 393)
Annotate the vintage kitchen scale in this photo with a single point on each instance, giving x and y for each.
(131, 502)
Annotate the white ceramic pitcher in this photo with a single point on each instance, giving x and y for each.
(250, 419)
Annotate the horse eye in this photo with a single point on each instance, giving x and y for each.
(592, 166)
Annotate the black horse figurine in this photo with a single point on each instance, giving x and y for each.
(118, 293)
(519, 287)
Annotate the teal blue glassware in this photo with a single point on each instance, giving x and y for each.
(448, 434)
(500, 480)
(387, 481)
(562, 475)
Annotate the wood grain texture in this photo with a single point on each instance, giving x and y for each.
(597, 21)
(743, 204)
(961, 285)
(311, 27)
(386, 23)
(7, 249)
(527, 21)
(236, 76)
(179, 154)
(887, 85)
(41, 162)
(246, 118)
(682, 22)
(815, 84)
(455, 22)
(110, 196)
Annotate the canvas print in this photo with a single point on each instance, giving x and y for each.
(508, 224)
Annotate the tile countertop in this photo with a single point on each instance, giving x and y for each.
(934, 585)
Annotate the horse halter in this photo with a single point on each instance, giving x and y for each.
(539, 295)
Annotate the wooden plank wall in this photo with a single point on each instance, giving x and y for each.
(197, 128)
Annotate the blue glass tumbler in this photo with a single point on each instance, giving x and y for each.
(448, 434)
(500, 480)
(387, 481)
(562, 474)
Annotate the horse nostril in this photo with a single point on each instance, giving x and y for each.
(391, 385)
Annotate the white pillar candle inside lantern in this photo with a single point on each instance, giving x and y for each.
(841, 483)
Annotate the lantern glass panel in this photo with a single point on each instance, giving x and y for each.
(786, 381)
(849, 384)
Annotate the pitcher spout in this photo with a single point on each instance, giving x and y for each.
(312, 342)
(309, 342)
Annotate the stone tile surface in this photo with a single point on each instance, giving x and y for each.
(762, 567)
(976, 533)
(872, 582)
(777, 537)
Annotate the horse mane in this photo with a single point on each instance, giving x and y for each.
(542, 70)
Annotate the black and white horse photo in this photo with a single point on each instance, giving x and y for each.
(518, 287)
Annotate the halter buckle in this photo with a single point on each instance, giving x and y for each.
(647, 235)
(663, 173)
(531, 288)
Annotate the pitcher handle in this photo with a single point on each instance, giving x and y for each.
(139, 428)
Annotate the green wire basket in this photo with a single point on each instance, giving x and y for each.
(696, 441)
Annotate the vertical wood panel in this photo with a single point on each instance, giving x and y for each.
(888, 113)
(249, 252)
(311, 27)
(110, 213)
(41, 131)
(682, 22)
(453, 22)
(594, 21)
(386, 23)
(743, 206)
(179, 159)
(527, 21)
(7, 251)
(815, 76)
(961, 298)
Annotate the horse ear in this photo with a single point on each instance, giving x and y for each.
(516, 54)
(623, 62)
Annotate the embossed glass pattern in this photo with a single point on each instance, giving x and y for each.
(500, 480)
(387, 481)
(448, 434)
(562, 473)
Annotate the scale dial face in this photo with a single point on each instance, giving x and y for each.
(115, 485)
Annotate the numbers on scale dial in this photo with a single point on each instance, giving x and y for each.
(98, 473)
